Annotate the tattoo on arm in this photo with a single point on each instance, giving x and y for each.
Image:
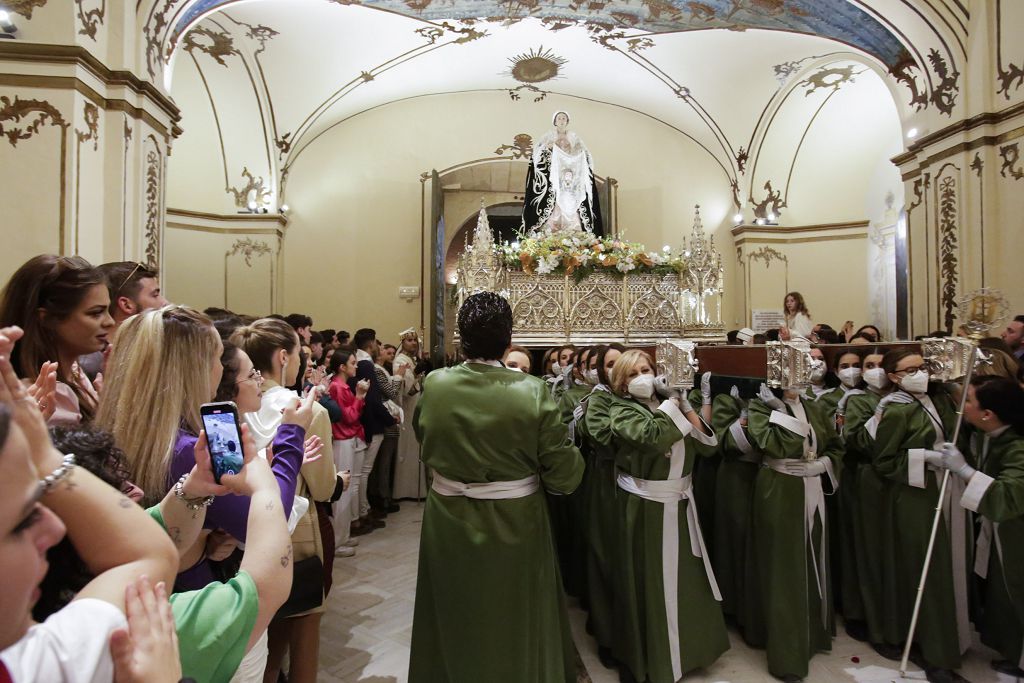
(287, 557)
(125, 502)
(175, 534)
(269, 505)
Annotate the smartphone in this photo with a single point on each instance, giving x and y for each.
(224, 436)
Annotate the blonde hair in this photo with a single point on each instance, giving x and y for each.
(624, 365)
(155, 382)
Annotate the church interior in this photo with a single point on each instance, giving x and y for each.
(336, 157)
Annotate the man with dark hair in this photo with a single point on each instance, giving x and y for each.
(376, 419)
(343, 339)
(134, 288)
(316, 347)
(330, 340)
(303, 324)
(1013, 335)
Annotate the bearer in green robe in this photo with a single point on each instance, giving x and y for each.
(489, 604)
(873, 530)
(669, 596)
(802, 454)
(705, 469)
(995, 407)
(594, 427)
(908, 440)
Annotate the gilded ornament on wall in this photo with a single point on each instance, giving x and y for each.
(1010, 154)
(536, 66)
(92, 19)
(948, 247)
(92, 125)
(249, 249)
(773, 203)
(253, 186)
(27, 117)
(154, 168)
(521, 147)
(217, 44)
(23, 7)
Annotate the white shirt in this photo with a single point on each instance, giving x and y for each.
(72, 646)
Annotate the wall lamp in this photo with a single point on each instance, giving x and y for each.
(6, 25)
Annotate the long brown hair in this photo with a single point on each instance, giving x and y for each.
(55, 286)
(801, 307)
(262, 338)
(602, 375)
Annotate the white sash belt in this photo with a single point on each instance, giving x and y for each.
(987, 537)
(957, 528)
(669, 492)
(490, 490)
(814, 505)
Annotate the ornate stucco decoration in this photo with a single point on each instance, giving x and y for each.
(773, 203)
(23, 7)
(1010, 154)
(217, 44)
(536, 66)
(521, 147)
(249, 249)
(27, 117)
(92, 125)
(154, 172)
(254, 186)
(92, 19)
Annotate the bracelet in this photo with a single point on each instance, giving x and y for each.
(50, 481)
(193, 504)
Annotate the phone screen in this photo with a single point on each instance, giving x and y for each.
(224, 438)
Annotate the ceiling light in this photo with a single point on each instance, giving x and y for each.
(912, 133)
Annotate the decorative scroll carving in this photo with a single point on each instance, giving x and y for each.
(284, 143)
(521, 147)
(536, 66)
(248, 248)
(217, 44)
(741, 159)
(977, 165)
(23, 7)
(92, 124)
(948, 248)
(903, 73)
(829, 78)
(945, 92)
(92, 19)
(27, 117)
(254, 186)
(1011, 73)
(154, 169)
(768, 254)
(514, 95)
(152, 33)
(1010, 154)
(771, 204)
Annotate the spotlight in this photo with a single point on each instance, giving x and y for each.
(760, 221)
(6, 24)
(912, 133)
(738, 218)
(284, 208)
(666, 248)
(771, 217)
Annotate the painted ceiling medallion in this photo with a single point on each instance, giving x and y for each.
(536, 66)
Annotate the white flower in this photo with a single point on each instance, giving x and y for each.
(625, 265)
(547, 264)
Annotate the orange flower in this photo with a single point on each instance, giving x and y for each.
(610, 261)
(645, 259)
(570, 264)
(598, 247)
(527, 262)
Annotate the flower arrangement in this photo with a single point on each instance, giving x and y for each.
(581, 253)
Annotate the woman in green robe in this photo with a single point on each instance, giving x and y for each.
(489, 603)
(873, 529)
(995, 407)
(910, 433)
(600, 493)
(733, 550)
(668, 597)
(801, 448)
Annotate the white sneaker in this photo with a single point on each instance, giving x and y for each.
(352, 542)
(344, 551)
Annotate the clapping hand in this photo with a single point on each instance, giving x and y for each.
(44, 390)
(313, 450)
(147, 650)
(770, 399)
(300, 412)
(362, 388)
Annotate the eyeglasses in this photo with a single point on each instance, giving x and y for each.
(254, 376)
(130, 275)
(912, 371)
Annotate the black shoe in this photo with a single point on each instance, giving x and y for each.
(935, 675)
(377, 523)
(857, 629)
(890, 652)
(790, 678)
(392, 507)
(604, 654)
(1005, 666)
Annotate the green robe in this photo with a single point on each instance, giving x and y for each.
(1001, 493)
(567, 512)
(732, 549)
(903, 427)
(602, 525)
(873, 529)
(489, 604)
(799, 620)
(643, 439)
(705, 473)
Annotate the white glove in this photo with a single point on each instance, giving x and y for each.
(769, 399)
(933, 457)
(735, 392)
(661, 387)
(894, 397)
(954, 461)
(705, 388)
(806, 468)
(684, 403)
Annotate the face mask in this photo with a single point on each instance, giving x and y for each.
(516, 369)
(876, 377)
(591, 377)
(641, 386)
(817, 370)
(556, 368)
(850, 376)
(916, 383)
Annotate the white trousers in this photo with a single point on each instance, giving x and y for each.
(372, 448)
(250, 670)
(348, 455)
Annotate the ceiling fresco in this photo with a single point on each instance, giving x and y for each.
(838, 20)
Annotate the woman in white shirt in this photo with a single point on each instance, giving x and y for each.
(798, 318)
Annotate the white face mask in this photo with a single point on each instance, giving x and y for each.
(591, 377)
(556, 368)
(516, 369)
(916, 383)
(641, 386)
(817, 370)
(876, 377)
(850, 376)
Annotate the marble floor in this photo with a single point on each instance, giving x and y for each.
(365, 634)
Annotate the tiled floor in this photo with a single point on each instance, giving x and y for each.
(365, 633)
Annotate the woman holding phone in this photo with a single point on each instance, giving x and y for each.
(349, 444)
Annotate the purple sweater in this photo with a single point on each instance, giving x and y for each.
(231, 512)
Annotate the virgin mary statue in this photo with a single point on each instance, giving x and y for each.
(561, 193)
